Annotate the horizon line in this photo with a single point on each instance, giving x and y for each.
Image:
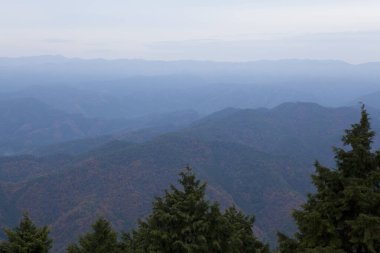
(181, 60)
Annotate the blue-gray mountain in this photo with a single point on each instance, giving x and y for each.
(27, 124)
(135, 88)
(259, 160)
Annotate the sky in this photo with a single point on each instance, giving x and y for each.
(218, 30)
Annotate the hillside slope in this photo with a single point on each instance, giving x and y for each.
(121, 182)
(259, 160)
(27, 122)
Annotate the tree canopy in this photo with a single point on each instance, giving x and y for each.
(344, 213)
(26, 238)
(184, 221)
(102, 239)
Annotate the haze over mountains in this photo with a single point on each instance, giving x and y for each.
(132, 88)
(86, 138)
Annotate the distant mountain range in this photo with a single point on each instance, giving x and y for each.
(122, 88)
(258, 159)
(101, 69)
(27, 123)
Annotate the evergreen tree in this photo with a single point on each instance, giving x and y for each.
(127, 244)
(26, 238)
(241, 237)
(101, 240)
(184, 222)
(344, 214)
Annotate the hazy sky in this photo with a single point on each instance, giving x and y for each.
(233, 30)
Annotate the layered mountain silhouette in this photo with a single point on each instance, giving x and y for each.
(27, 122)
(134, 88)
(259, 160)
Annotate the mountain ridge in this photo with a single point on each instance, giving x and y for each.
(119, 179)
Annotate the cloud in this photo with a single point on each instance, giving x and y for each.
(170, 29)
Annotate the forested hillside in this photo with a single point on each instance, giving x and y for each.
(196, 126)
(28, 125)
(254, 159)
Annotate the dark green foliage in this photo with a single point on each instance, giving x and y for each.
(26, 238)
(183, 221)
(101, 240)
(344, 214)
(287, 245)
(180, 221)
(127, 244)
(241, 237)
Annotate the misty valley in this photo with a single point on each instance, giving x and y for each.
(95, 142)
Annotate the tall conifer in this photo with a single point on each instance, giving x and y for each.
(184, 221)
(344, 214)
(26, 238)
(101, 240)
(241, 238)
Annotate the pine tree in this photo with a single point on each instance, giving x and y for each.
(127, 244)
(180, 220)
(184, 221)
(241, 237)
(101, 240)
(26, 238)
(344, 214)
